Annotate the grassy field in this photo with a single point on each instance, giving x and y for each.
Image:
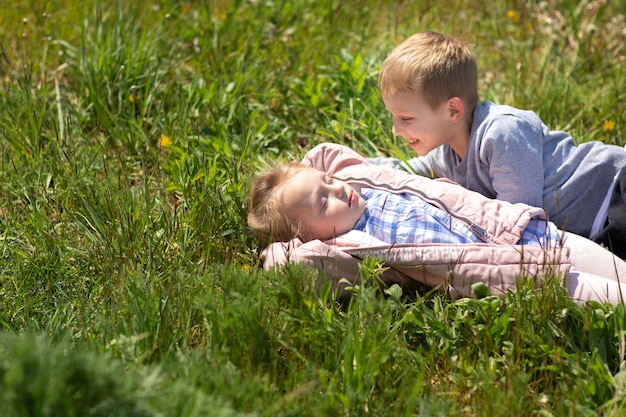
(129, 285)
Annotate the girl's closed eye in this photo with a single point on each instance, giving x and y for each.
(406, 119)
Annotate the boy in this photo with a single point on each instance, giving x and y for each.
(429, 85)
(440, 228)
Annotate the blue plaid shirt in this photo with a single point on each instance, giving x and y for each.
(406, 218)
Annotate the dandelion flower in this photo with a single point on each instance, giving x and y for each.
(609, 125)
(165, 141)
(131, 98)
(512, 15)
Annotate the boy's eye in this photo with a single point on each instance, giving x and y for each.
(406, 119)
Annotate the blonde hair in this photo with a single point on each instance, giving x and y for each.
(267, 217)
(438, 67)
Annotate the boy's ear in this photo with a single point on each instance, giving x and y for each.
(456, 109)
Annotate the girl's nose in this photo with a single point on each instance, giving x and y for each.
(337, 189)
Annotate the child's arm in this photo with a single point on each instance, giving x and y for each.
(510, 157)
(417, 165)
(333, 263)
(331, 157)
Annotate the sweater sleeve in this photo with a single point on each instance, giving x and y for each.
(332, 157)
(418, 165)
(335, 265)
(512, 151)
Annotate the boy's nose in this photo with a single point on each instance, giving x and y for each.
(395, 130)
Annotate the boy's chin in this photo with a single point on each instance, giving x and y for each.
(419, 149)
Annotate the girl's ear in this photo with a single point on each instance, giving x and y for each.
(456, 109)
(298, 230)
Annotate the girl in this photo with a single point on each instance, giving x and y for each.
(336, 208)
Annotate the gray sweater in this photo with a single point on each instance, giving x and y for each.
(513, 156)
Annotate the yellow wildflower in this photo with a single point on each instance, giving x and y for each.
(131, 98)
(609, 125)
(512, 15)
(165, 141)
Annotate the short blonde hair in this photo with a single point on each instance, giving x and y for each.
(438, 67)
(267, 216)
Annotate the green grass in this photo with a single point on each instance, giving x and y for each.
(129, 285)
